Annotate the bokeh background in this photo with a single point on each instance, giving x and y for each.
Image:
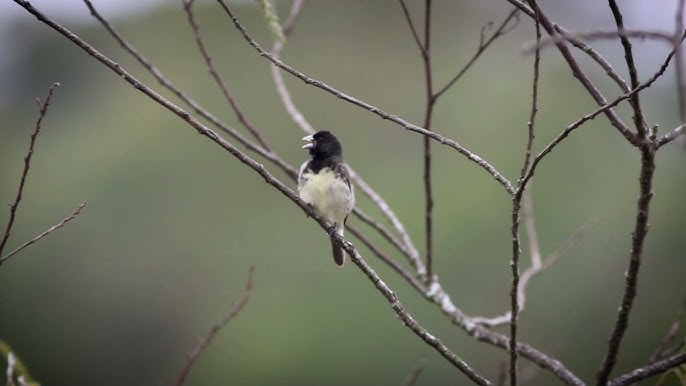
(121, 294)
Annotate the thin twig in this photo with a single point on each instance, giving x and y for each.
(231, 313)
(373, 109)
(415, 35)
(230, 98)
(60, 224)
(600, 35)
(502, 29)
(634, 101)
(412, 377)
(280, 84)
(43, 110)
(670, 343)
(680, 63)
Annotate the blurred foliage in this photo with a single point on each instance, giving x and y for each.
(120, 295)
(16, 369)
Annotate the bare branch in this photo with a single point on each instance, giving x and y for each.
(631, 277)
(188, 8)
(649, 370)
(671, 135)
(634, 101)
(417, 40)
(47, 232)
(599, 35)
(680, 69)
(583, 78)
(43, 110)
(502, 29)
(231, 313)
(373, 109)
(428, 117)
(285, 96)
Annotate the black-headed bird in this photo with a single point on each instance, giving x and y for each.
(324, 183)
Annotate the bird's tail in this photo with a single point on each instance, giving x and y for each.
(338, 254)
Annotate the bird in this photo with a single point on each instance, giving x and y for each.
(324, 183)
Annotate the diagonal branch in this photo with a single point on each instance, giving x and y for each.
(231, 313)
(650, 370)
(502, 29)
(188, 8)
(53, 228)
(43, 110)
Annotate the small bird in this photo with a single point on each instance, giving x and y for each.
(324, 183)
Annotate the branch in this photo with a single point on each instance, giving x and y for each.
(670, 136)
(680, 69)
(583, 78)
(565, 35)
(515, 295)
(405, 316)
(502, 29)
(631, 277)
(188, 8)
(373, 109)
(232, 312)
(43, 110)
(595, 55)
(639, 119)
(60, 224)
(649, 370)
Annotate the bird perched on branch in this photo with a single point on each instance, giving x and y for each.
(324, 183)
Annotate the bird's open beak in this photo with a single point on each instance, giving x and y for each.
(310, 141)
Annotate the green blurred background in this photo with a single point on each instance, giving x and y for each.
(121, 294)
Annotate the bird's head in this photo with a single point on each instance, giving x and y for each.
(323, 144)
